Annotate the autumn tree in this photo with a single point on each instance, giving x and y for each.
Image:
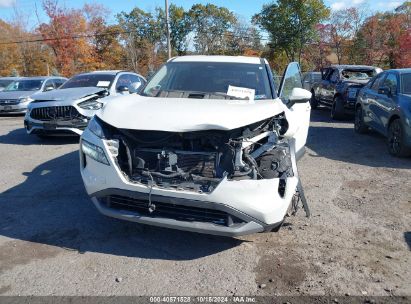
(209, 24)
(291, 24)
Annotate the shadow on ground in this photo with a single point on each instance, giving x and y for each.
(407, 237)
(51, 207)
(20, 137)
(338, 141)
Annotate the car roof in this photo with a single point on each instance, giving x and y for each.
(354, 67)
(10, 78)
(216, 58)
(107, 72)
(400, 71)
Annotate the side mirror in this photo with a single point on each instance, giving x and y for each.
(298, 95)
(123, 89)
(384, 91)
(49, 88)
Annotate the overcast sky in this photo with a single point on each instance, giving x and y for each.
(244, 8)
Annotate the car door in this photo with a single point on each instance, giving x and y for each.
(387, 100)
(370, 104)
(299, 112)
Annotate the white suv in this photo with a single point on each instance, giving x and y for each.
(210, 146)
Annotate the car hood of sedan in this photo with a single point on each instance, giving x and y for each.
(185, 115)
(15, 94)
(66, 94)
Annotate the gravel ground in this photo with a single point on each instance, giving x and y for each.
(357, 242)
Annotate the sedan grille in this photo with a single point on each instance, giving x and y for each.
(172, 211)
(56, 113)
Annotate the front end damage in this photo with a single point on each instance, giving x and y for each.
(221, 182)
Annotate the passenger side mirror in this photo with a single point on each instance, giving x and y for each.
(298, 95)
(123, 89)
(48, 88)
(384, 91)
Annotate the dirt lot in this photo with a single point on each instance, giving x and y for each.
(358, 241)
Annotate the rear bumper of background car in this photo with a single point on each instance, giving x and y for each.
(253, 205)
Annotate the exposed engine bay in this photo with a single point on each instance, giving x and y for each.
(198, 161)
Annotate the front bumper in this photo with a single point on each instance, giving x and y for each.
(257, 203)
(15, 108)
(54, 127)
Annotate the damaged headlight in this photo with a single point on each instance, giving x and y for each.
(95, 127)
(25, 99)
(91, 104)
(94, 152)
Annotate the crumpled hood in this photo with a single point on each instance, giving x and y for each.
(184, 115)
(66, 94)
(15, 94)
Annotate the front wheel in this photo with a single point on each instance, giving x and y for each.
(396, 140)
(337, 109)
(359, 125)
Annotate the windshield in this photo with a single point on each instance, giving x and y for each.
(358, 74)
(406, 83)
(209, 77)
(25, 85)
(89, 80)
(4, 83)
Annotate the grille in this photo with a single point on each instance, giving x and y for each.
(56, 113)
(172, 211)
(8, 102)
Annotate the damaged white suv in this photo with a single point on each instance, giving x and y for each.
(210, 146)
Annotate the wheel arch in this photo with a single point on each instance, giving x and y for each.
(392, 118)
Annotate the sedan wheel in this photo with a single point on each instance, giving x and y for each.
(337, 109)
(396, 145)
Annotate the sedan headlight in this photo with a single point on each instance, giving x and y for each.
(95, 127)
(94, 152)
(91, 104)
(25, 99)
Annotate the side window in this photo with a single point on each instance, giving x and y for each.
(123, 81)
(49, 85)
(135, 83)
(392, 83)
(376, 84)
(292, 79)
(58, 82)
(335, 76)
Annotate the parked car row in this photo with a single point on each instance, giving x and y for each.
(210, 143)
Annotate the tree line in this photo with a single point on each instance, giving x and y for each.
(78, 40)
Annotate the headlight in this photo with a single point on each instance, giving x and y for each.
(26, 99)
(94, 152)
(95, 127)
(91, 104)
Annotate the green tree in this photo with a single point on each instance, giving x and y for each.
(292, 24)
(210, 23)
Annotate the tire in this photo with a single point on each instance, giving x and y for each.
(396, 140)
(313, 101)
(359, 125)
(337, 109)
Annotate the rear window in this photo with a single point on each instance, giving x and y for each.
(406, 83)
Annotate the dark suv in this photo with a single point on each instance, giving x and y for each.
(384, 105)
(339, 87)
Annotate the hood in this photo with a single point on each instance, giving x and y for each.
(185, 115)
(15, 94)
(66, 94)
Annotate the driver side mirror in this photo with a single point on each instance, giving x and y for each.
(298, 95)
(123, 89)
(48, 88)
(384, 91)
